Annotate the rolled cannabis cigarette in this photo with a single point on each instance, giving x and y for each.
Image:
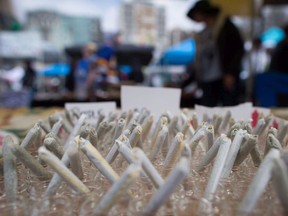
(112, 116)
(232, 129)
(282, 132)
(135, 136)
(10, 171)
(268, 120)
(183, 118)
(74, 159)
(144, 113)
(51, 144)
(68, 176)
(280, 182)
(199, 134)
(212, 152)
(133, 124)
(68, 115)
(31, 137)
(57, 179)
(246, 148)
(225, 121)
(102, 130)
(96, 158)
(231, 122)
(273, 131)
(205, 117)
(29, 161)
(162, 121)
(118, 189)
(255, 154)
(93, 137)
(162, 136)
(172, 127)
(101, 117)
(52, 119)
(85, 131)
(129, 116)
(148, 167)
(217, 168)
(191, 130)
(125, 151)
(248, 127)
(210, 136)
(272, 142)
(233, 151)
(217, 119)
(75, 131)
(44, 126)
(112, 154)
(187, 152)
(185, 127)
(168, 115)
(259, 127)
(57, 126)
(177, 175)
(119, 128)
(195, 120)
(174, 153)
(123, 115)
(55, 137)
(146, 127)
(165, 147)
(259, 182)
(56, 117)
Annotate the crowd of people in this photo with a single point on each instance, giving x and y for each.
(220, 57)
(219, 60)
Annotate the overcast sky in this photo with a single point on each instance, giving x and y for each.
(107, 10)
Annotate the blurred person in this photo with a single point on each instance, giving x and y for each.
(83, 68)
(29, 77)
(279, 59)
(219, 52)
(100, 76)
(259, 57)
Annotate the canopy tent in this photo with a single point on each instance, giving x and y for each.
(272, 36)
(60, 69)
(179, 54)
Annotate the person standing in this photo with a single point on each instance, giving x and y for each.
(219, 52)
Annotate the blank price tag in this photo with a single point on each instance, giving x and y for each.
(239, 112)
(157, 100)
(91, 109)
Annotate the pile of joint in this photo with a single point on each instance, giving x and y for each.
(131, 163)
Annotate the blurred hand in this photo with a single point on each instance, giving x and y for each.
(229, 82)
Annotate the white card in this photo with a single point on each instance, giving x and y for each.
(157, 100)
(239, 112)
(91, 108)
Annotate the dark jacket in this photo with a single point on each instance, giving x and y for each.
(279, 59)
(231, 48)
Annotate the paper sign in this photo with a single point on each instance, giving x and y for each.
(91, 108)
(239, 112)
(157, 100)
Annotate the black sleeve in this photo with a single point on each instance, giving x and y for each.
(231, 48)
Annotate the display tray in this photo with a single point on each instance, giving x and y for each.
(134, 163)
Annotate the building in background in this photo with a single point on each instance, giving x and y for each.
(142, 22)
(62, 30)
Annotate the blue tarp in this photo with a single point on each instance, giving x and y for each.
(179, 54)
(268, 86)
(56, 70)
